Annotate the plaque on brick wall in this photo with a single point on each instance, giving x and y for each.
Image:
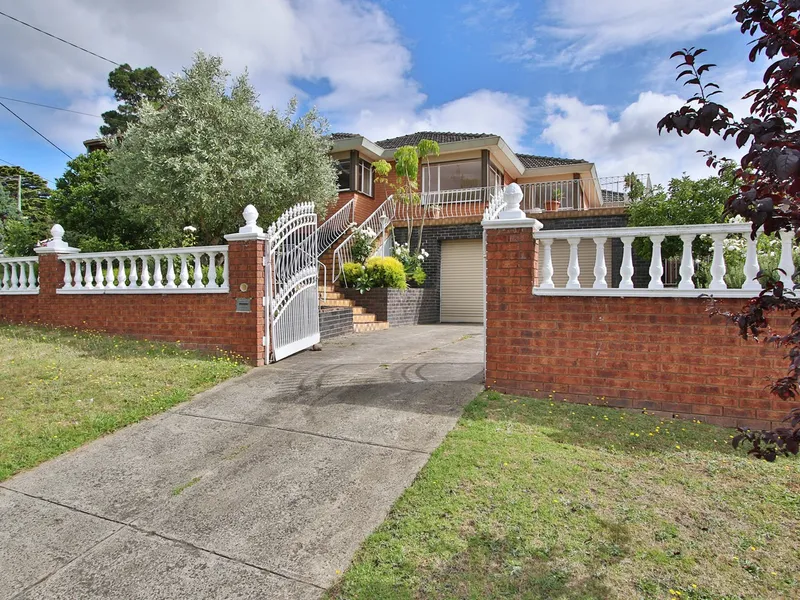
(243, 305)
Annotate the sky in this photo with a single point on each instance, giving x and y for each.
(571, 78)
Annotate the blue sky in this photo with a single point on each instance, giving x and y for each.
(576, 78)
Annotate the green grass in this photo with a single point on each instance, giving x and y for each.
(61, 388)
(545, 499)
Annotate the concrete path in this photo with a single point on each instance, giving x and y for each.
(261, 488)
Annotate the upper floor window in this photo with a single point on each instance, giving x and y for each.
(364, 177)
(344, 175)
(451, 176)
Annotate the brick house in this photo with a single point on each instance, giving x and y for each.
(456, 187)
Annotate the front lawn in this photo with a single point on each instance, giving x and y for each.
(62, 388)
(545, 499)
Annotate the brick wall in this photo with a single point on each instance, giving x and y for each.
(663, 354)
(335, 321)
(202, 321)
(414, 306)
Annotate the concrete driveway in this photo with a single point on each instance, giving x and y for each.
(262, 487)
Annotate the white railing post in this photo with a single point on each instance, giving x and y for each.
(718, 268)
(626, 269)
(198, 271)
(121, 274)
(786, 264)
(751, 266)
(687, 263)
(547, 264)
(600, 264)
(656, 265)
(574, 268)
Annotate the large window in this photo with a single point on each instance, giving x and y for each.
(344, 175)
(364, 177)
(451, 176)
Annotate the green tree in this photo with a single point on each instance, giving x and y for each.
(211, 150)
(8, 213)
(685, 202)
(131, 88)
(90, 211)
(22, 234)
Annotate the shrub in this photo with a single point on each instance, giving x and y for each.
(419, 276)
(386, 272)
(363, 243)
(351, 272)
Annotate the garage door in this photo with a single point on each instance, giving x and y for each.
(586, 257)
(462, 281)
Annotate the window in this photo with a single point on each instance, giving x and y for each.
(364, 177)
(344, 175)
(452, 176)
(495, 177)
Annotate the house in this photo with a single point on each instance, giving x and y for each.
(456, 187)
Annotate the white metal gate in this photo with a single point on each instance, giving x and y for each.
(292, 271)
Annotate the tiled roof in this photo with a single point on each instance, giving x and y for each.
(343, 136)
(440, 137)
(531, 161)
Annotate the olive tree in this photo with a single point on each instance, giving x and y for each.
(210, 150)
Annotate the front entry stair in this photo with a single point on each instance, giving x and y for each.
(362, 320)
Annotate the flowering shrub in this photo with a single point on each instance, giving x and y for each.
(363, 243)
(412, 262)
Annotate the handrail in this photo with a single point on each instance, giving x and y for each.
(374, 222)
(335, 226)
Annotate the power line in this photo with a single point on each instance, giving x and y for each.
(59, 39)
(5, 161)
(69, 110)
(36, 131)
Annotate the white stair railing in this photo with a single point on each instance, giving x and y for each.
(160, 271)
(18, 275)
(599, 238)
(335, 226)
(378, 221)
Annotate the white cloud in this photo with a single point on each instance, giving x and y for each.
(351, 49)
(483, 111)
(580, 32)
(630, 141)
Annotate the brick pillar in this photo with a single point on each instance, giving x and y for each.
(511, 271)
(51, 275)
(246, 276)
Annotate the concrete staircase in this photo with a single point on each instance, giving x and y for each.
(362, 320)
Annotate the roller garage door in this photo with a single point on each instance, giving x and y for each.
(462, 282)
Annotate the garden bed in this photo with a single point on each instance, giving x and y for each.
(412, 306)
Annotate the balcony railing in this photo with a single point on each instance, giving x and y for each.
(570, 194)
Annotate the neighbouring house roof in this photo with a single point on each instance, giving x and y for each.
(440, 137)
(531, 161)
(343, 136)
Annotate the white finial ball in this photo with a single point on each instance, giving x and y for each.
(512, 196)
(57, 231)
(250, 214)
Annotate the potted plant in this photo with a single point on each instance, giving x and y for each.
(555, 200)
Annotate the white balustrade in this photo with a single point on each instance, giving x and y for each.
(714, 275)
(146, 271)
(19, 275)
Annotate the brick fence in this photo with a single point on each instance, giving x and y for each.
(202, 321)
(663, 354)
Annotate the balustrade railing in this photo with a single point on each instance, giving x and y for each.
(445, 204)
(376, 223)
(689, 284)
(202, 269)
(19, 275)
(334, 227)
